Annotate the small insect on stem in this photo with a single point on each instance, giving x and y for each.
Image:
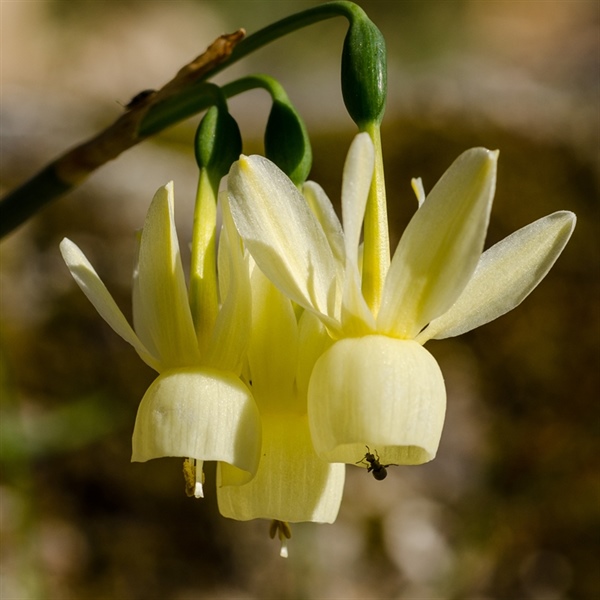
(374, 466)
(139, 98)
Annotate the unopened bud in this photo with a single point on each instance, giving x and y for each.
(218, 142)
(286, 141)
(364, 72)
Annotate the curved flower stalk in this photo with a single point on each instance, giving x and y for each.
(292, 483)
(197, 408)
(377, 386)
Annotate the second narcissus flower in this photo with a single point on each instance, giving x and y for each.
(292, 483)
(197, 408)
(376, 385)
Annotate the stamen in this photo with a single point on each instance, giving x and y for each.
(284, 532)
(418, 189)
(193, 475)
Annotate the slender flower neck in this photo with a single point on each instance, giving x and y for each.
(204, 301)
(217, 144)
(376, 254)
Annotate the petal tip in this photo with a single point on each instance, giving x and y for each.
(484, 154)
(571, 216)
(65, 244)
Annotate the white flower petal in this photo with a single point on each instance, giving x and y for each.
(441, 246)
(163, 299)
(292, 484)
(273, 351)
(141, 325)
(225, 264)
(322, 208)
(357, 318)
(313, 342)
(358, 173)
(231, 334)
(380, 392)
(202, 414)
(506, 274)
(282, 234)
(87, 279)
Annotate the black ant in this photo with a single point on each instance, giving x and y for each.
(139, 98)
(379, 471)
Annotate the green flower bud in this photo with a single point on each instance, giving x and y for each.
(286, 141)
(218, 142)
(364, 72)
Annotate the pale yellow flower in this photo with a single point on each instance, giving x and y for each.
(198, 407)
(376, 385)
(292, 483)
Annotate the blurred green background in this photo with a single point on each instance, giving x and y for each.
(510, 509)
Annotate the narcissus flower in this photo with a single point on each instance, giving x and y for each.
(197, 408)
(292, 483)
(376, 385)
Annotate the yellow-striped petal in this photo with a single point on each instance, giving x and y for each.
(163, 299)
(141, 325)
(273, 351)
(313, 341)
(357, 318)
(91, 285)
(283, 235)
(231, 335)
(506, 274)
(322, 208)
(441, 246)
(292, 483)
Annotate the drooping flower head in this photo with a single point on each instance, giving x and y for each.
(292, 483)
(377, 386)
(197, 408)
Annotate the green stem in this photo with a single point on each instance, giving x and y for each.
(376, 253)
(72, 168)
(191, 101)
(252, 82)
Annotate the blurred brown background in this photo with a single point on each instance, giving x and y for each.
(508, 510)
